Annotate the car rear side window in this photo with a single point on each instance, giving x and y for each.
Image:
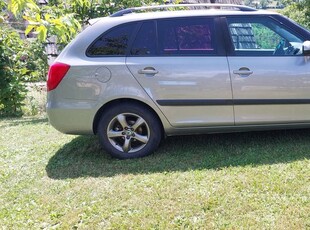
(145, 42)
(195, 36)
(114, 42)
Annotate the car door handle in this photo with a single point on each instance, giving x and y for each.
(148, 70)
(243, 72)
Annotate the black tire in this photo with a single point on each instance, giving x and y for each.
(129, 130)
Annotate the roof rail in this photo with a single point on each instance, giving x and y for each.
(191, 6)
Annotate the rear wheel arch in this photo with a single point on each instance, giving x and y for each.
(118, 102)
(127, 129)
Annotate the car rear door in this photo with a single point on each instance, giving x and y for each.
(182, 66)
(270, 76)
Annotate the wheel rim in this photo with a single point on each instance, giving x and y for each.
(128, 132)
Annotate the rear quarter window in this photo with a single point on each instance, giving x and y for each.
(112, 43)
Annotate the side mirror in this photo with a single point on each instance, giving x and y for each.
(306, 48)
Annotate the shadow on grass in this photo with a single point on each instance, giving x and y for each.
(9, 122)
(83, 156)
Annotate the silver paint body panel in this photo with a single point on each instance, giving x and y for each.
(272, 78)
(91, 83)
(187, 78)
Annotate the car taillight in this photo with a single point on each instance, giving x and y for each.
(56, 73)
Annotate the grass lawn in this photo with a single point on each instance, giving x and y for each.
(258, 180)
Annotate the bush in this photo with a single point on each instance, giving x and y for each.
(12, 88)
(20, 61)
(35, 60)
(299, 12)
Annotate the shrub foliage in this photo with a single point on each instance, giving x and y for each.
(21, 61)
(12, 89)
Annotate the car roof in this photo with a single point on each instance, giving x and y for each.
(179, 13)
(187, 13)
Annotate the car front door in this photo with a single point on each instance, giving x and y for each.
(270, 76)
(183, 68)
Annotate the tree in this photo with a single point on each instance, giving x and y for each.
(263, 3)
(64, 19)
(299, 11)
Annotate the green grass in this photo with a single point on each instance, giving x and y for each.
(257, 180)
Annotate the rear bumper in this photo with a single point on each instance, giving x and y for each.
(71, 120)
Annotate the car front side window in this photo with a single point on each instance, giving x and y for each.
(262, 36)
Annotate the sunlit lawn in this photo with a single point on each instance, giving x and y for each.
(257, 180)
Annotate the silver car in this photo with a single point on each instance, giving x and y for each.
(139, 75)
